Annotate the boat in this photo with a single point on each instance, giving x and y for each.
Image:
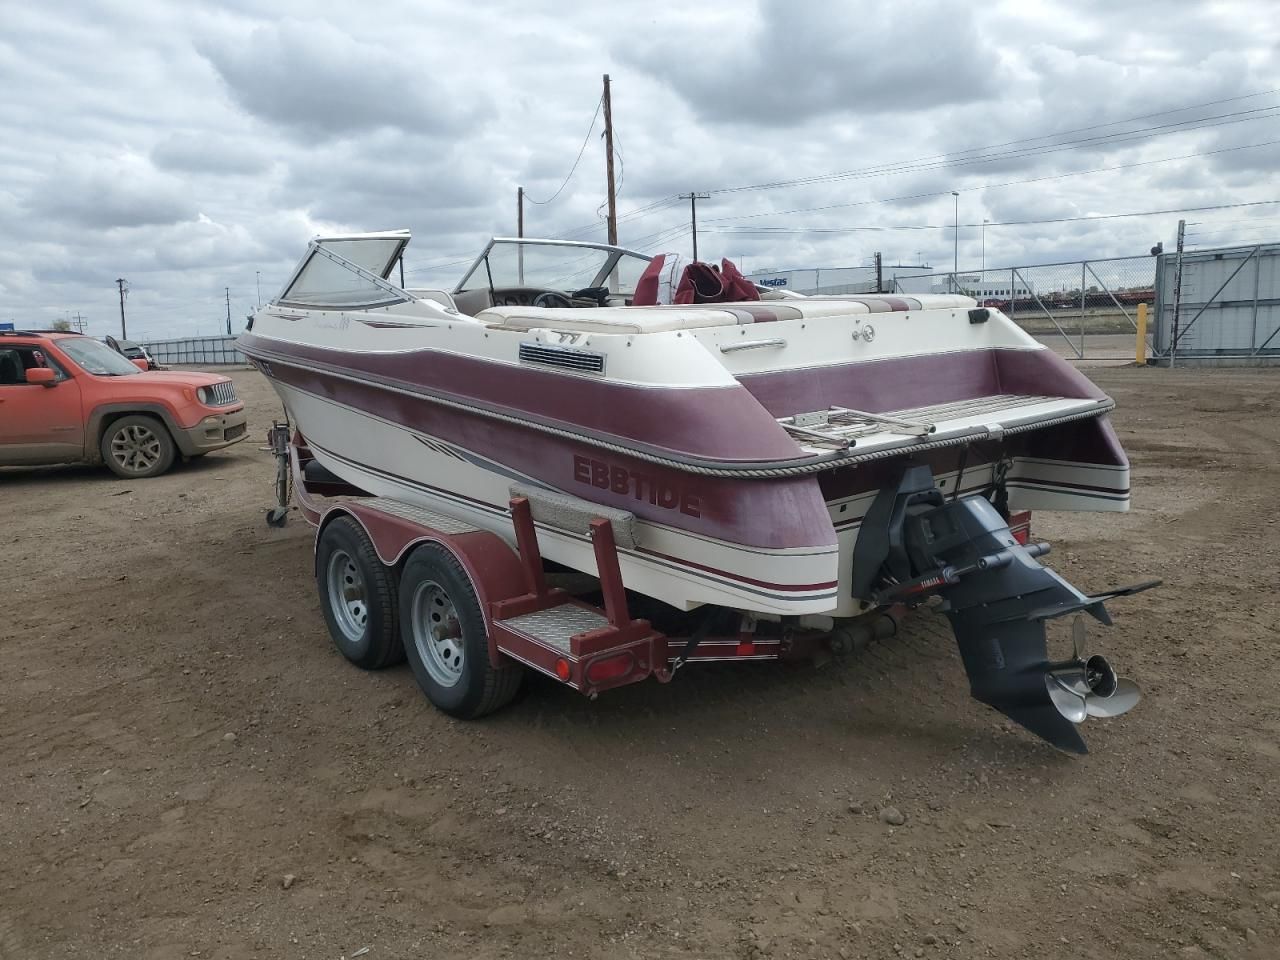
(783, 464)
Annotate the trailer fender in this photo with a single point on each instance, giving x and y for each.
(493, 566)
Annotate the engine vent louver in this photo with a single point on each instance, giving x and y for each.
(567, 358)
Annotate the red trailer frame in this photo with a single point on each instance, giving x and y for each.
(607, 648)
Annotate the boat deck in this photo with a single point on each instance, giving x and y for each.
(841, 428)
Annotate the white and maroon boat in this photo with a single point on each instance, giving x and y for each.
(754, 477)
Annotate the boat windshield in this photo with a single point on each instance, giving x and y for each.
(548, 264)
(348, 272)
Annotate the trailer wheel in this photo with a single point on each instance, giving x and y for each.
(357, 596)
(445, 638)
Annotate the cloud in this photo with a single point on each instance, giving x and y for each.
(197, 147)
(801, 59)
(100, 193)
(195, 152)
(315, 80)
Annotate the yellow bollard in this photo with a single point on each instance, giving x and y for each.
(1141, 346)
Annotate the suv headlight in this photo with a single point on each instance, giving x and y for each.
(202, 394)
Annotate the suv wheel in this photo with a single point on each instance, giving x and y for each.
(135, 447)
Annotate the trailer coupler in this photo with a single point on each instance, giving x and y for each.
(998, 599)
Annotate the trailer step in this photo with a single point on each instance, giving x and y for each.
(556, 626)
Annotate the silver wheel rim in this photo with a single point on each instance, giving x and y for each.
(136, 448)
(347, 596)
(437, 634)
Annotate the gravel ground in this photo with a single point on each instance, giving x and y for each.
(189, 769)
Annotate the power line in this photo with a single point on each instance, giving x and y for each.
(585, 141)
(662, 239)
(428, 268)
(1110, 140)
(650, 239)
(622, 178)
(956, 158)
(782, 230)
(1226, 226)
(574, 232)
(653, 239)
(941, 161)
(989, 186)
(1120, 216)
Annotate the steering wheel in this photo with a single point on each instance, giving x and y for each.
(550, 298)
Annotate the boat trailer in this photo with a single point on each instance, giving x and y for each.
(400, 581)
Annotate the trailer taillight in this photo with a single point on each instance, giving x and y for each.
(562, 669)
(610, 668)
(1020, 527)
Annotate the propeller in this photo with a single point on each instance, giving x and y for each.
(1081, 688)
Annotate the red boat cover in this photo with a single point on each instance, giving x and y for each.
(699, 283)
(646, 294)
(707, 283)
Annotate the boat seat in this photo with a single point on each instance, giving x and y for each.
(657, 319)
(612, 319)
(893, 302)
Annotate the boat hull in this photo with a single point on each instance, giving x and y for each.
(685, 568)
(729, 509)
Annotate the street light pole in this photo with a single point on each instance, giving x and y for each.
(984, 246)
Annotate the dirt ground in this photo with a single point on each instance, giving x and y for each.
(189, 769)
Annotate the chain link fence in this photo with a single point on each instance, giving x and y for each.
(201, 351)
(1085, 309)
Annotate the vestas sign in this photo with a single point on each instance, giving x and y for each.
(773, 282)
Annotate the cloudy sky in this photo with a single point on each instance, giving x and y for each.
(193, 146)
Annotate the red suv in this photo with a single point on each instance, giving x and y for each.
(65, 398)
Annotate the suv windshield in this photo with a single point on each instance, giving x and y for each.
(95, 357)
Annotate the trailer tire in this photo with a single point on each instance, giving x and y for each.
(357, 596)
(445, 638)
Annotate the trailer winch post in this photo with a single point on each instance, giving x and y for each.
(610, 573)
(527, 541)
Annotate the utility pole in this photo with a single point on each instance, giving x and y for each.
(520, 233)
(879, 274)
(257, 280)
(123, 284)
(693, 199)
(228, 289)
(1177, 290)
(608, 163)
(955, 263)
